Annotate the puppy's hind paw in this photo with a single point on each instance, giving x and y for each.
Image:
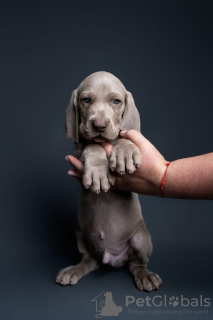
(69, 276)
(146, 280)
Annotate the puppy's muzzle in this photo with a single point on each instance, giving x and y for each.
(99, 124)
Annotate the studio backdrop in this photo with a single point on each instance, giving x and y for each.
(162, 52)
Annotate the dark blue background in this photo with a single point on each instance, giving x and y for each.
(162, 51)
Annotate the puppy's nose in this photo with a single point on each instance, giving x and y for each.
(99, 125)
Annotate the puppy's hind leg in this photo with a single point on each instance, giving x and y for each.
(72, 274)
(142, 246)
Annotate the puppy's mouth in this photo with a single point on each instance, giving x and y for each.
(99, 139)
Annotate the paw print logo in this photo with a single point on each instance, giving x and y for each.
(173, 301)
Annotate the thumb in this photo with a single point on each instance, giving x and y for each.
(135, 136)
(108, 148)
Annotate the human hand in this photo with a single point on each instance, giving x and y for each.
(146, 179)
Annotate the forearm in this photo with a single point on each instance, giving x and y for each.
(190, 178)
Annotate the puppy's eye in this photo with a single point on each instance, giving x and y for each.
(116, 101)
(85, 100)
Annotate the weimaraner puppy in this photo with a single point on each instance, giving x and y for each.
(111, 227)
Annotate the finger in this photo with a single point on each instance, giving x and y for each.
(135, 136)
(77, 164)
(119, 181)
(108, 148)
(76, 174)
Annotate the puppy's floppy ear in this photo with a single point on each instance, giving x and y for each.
(131, 117)
(72, 118)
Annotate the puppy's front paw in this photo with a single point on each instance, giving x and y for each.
(98, 178)
(125, 157)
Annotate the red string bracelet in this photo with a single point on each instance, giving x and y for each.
(164, 178)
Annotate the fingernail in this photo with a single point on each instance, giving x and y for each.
(71, 173)
(66, 158)
(122, 132)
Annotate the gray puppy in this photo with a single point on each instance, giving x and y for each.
(111, 227)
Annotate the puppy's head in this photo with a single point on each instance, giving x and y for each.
(100, 108)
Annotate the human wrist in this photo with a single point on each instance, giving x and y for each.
(160, 181)
(164, 179)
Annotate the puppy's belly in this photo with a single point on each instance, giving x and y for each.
(108, 221)
(110, 250)
(118, 256)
